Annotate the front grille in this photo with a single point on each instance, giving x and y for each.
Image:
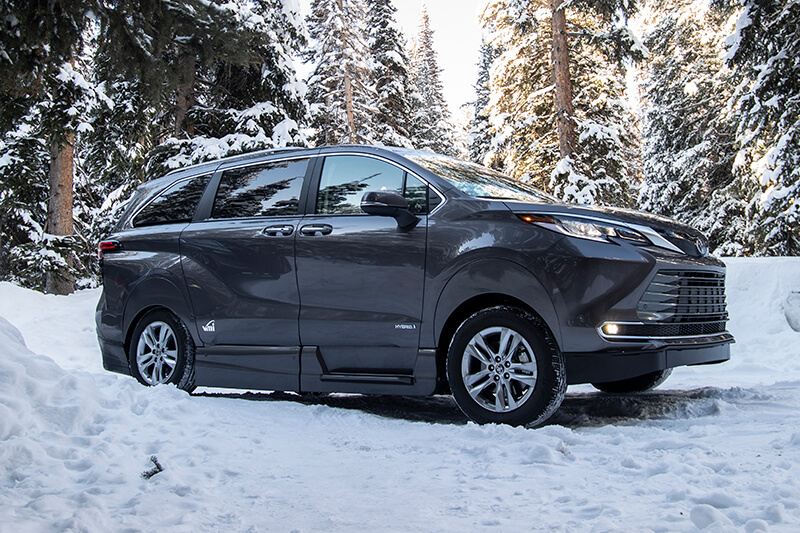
(681, 303)
(679, 296)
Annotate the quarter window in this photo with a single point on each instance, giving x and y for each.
(271, 189)
(176, 204)
(416, 194)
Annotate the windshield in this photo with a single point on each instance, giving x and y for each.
(478, 181)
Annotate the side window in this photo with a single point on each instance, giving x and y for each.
(345, 179)
(176, 204)
(270, 189)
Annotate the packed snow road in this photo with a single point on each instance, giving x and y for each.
(717, 448)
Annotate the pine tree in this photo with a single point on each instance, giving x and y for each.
(263, 96)
(431, 128)
(765, 55)
(23, 194)
(114, 152)
(480, 128)
(37, 253)
(247, 102)
(390, 74)
(141, 57)
(522, 114)
(244, 92)
(163, 45)
(42, 97)
(688, 150)
(339, 90)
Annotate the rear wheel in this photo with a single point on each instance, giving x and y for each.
(162, 351)
(638, 384)
(503, 367)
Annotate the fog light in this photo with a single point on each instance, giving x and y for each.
(611, 329)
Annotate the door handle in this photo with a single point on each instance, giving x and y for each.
(274, 231)
(316, 229)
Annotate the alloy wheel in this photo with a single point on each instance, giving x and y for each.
(157, 353)
(498, 369)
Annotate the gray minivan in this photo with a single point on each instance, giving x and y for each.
(390, 271)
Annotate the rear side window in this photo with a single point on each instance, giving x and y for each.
(346, 178)
(270, 189)
(176, 204)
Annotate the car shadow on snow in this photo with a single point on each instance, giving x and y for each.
(592, 409)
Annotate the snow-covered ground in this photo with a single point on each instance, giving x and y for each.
(717, 448)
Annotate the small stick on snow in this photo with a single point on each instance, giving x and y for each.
(147, 474)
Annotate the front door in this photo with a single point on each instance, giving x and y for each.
(360, 277)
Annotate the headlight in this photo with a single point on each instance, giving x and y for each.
(584, 228)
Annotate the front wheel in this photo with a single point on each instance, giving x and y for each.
(162, 351)
(503, 367)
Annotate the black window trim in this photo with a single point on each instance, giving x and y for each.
(204, 209)
(129, 223)
(217, 180)
(312, 199)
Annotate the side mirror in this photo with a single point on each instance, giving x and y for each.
(389, 204)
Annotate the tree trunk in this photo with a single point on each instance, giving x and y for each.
(185, 99)
(59, 209)
(348, 94)
(563, 83)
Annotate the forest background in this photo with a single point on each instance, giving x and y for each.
(98, 96)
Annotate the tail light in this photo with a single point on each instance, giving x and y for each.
(106, 247)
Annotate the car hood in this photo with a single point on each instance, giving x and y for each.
(689, 240)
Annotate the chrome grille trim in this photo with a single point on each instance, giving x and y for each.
(685, 297)
(678, 306)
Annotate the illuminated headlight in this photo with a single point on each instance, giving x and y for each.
(584, 228)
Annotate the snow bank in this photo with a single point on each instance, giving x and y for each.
(36, 395)
(59, 326)
(69, 448)
(718, 449)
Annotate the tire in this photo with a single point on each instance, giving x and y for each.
(162, 351)
(638, 384)
(504, 367)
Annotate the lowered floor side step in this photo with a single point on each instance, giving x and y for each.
(388, 379)
(315, 377)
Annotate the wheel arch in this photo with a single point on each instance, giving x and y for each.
(484, 284)
(152, 294)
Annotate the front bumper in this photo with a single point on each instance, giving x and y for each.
(601, 367)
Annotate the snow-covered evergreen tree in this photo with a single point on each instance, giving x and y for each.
(390, 74)
(247, 102)
(480, 129)
(431, 126)
(33, 254)
(688, 146)
(164, 45)
(24, 166)
(243, 100)
(114, 151)
(765, 54)
(43, 105)
(521, 110)
(340, 91)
